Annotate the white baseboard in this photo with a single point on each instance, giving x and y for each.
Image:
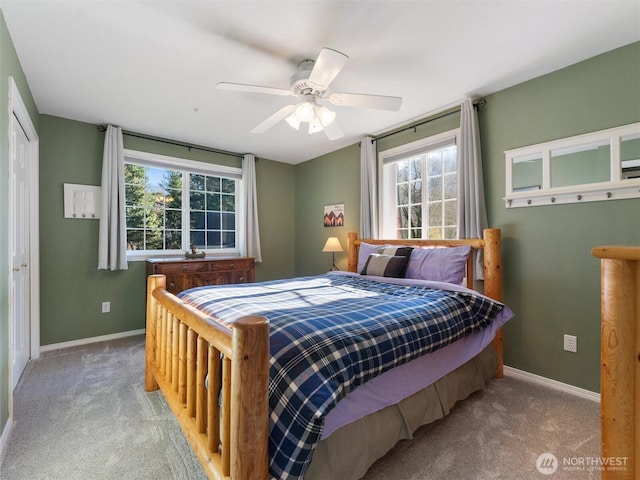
(564, 387)
(86, 341)
(4, 438)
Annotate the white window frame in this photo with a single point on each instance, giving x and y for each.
(191, 166)
(620, 185)
(387, 185)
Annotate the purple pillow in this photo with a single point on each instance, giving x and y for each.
(364, 251)
(439, 264)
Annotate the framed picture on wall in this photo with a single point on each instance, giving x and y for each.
(334, 215)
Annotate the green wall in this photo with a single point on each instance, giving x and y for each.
(551, 280)
(328, 180)
(9, 67)
(72, 289)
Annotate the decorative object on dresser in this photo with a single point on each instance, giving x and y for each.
(197, 272)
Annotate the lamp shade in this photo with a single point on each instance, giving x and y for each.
(332, 245)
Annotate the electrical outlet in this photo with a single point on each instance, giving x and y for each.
(106, 307)
(571, 343)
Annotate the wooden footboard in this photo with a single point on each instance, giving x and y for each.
(215, 380)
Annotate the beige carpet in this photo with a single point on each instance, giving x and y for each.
(81, 413)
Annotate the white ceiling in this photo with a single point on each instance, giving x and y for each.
(152, 66)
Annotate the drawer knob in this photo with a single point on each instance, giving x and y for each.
(172, 286)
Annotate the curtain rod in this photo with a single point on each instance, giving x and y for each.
(413, 127)
(102, 128)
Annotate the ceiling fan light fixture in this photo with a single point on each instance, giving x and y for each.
(293, 121)
(326, 116)
(315, 125)
(305, 112)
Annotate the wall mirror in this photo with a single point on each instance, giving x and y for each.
(601, 165)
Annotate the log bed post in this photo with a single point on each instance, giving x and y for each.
(153, 282)
(493, 282)
(250, 399)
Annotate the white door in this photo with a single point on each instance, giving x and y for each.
(19, 216)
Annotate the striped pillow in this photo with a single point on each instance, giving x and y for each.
(385, 265)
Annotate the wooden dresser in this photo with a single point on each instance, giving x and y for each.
(620, 360)
(184, 273)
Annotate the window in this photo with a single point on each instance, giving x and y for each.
(173, 204)
(419, 189)
(596, 166)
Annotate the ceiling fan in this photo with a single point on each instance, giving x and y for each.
(310, 84)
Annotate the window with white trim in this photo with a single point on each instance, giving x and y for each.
(175, 204)
(418, 189)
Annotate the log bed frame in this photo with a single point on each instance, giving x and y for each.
(184, 347)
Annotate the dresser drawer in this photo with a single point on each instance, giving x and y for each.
(184, 274)
(182, 267)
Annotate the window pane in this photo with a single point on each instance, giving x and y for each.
(134, 174)
(213, 239)
(228, 186)
(213, 184)
(173, 240)
(228, 240)
(451, 213)
(449, 160)
(228, 221)
(196, 182)
(403, 171)
(450, 186)
(197, 201)
(153, 240)
(213, 201)
(196, 238)
(435, 214)
(435, 189)
(403, 194)
(134, 194)
(135, 217)
(135, 240)
(196, 220)
(174, 198)
(173, 219)
(228, 203)
(416, 192)
(416, 168)
(435, 233)
(416, 216)
(403, 217)
(450, 233)
(416, 233)
(434, 164)
(213, 221)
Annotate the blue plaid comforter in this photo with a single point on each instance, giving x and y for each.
(331, 333)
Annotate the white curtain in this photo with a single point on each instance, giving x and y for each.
(472, 212)
(112, 241)
(252, 232)
(368, 188)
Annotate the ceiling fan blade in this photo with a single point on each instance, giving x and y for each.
(327, 66)
(377, 102)
(333, 131)
(242, 87)
(273, 119)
